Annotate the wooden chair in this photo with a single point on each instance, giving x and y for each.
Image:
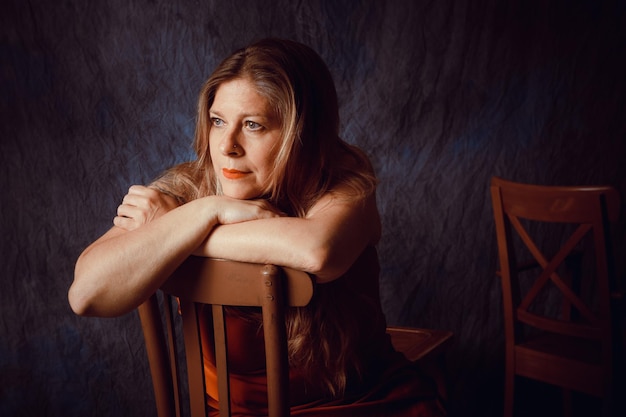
(571, 346)
(419, 344)
(219, 283)
(229, 283)
(425, 348)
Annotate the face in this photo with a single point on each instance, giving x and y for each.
(244, 139)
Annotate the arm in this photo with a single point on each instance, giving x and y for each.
(151, 237)
(325, 243)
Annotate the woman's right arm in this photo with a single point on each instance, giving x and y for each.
(127, 264)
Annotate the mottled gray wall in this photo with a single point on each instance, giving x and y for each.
(95, 96)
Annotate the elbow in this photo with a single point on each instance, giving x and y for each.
(79, 303)
(93, 304)
(81, 300)
(82, 296)
(89, 304)
(93, 294)
(321, 263)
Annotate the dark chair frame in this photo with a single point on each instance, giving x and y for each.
(576, 350)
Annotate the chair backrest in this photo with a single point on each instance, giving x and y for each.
(586, 211)
(219, 283)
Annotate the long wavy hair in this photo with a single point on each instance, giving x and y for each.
(312, 160)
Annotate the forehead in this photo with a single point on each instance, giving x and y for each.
(241, 96)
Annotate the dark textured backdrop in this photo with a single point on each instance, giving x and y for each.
(96, 96)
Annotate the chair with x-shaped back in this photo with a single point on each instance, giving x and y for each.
(557, 310)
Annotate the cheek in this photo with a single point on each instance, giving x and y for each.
(268, 161)
(263, 168)
(213, 149)
(261, 152)
(211, 142)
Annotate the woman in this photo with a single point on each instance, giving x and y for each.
(272, 183)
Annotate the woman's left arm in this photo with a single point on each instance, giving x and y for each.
(325, 243)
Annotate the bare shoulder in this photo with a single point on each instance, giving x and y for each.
(347, 211)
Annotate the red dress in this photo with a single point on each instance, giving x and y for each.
(387, 384)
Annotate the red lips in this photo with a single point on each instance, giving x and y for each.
(233, 174)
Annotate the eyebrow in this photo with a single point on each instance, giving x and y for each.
(246, 115)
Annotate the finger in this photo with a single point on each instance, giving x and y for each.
(122, 210)
(145, 192)
(130, 211)
(147, 197)
(134, 200)
(125, 209)
(138, 189)
(125, 223)
(269, 209)
(260, 210)
(268, 214)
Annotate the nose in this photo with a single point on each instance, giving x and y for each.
(229, 145)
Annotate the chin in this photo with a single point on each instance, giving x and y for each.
(241, 194)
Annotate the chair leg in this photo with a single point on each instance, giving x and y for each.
(509, 391)
(567, 403)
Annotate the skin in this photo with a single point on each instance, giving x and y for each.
(152, 235)
(244, 138)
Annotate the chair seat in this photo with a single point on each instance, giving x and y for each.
(561, 360)
(424, 347)
(416, 343)
(582, 350)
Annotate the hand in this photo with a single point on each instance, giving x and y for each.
(231, 210)
(142, 205)
(226, 210)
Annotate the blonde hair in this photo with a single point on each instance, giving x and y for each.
(312, 161)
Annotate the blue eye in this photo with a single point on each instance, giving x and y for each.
(217, 122)
(252, 125)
